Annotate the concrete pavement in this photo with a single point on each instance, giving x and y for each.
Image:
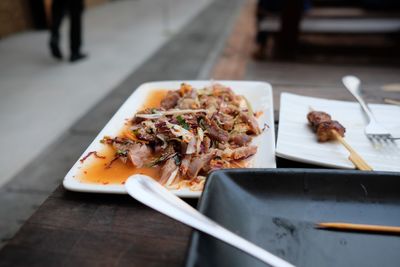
(188, 54)
(40, 98)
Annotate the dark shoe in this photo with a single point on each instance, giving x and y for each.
(55, 50)
(77, 57)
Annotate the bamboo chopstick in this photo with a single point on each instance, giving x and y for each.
(359, 227)
(354, 157)
(394, 87)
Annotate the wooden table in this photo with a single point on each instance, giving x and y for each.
(85, 229)
(96, 230)
(82, 229)
(106, 230)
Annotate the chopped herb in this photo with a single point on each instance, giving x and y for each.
(92, 153)
(153, 110)
(122, 153)
(160, 159)
(182, 122)
(177, 160)
(135, 131)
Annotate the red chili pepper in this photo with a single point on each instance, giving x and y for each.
(91, 153)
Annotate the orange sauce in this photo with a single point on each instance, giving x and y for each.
(154, 99)
(95, 171)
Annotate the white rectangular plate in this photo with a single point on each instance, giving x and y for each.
(259, 95)
(296, 140)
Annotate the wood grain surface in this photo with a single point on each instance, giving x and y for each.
(80, 229)
(72, 229)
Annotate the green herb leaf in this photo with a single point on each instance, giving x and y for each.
(201, 123)
(182, 122)
(159, 160)
(177, 160)
(122, 152)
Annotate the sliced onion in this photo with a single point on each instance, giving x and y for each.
(172, 177)
(179, 131)
(149, 116)
(161, 137)
(191, 148)
(159, 114)
(250, 110)
(200, 133)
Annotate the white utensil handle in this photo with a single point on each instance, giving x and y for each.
(152, 194)
(352, 84)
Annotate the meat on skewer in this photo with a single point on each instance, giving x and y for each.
(328, 129)
(316, 117)
(324, 126)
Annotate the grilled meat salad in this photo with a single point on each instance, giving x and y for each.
(193, 132)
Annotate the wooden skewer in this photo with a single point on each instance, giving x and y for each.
(359, 227)
(354, 157)
(392, 101)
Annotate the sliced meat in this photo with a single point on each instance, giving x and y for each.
(215, 132)
(206, 144)
(324, 130)
(161, 128)
(170, 100)
(240, 139)
(210, 103)
(141, 134)
(191, 120)
(317, 117)
(230, 109)
(252, 122)
(226, 121)
(216, 164)
(244, 152)
(167, 169)
(188, 103)
(139, 154)
(226, 92)
(197, 163)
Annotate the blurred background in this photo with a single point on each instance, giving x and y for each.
(51, 109)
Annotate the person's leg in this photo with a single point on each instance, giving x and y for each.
(57, 13)
(75, 12)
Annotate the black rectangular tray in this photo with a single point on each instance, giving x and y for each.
(277, 210)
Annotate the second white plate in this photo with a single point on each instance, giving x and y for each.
(296, 141)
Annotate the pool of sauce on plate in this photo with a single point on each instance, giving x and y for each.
(94, 170)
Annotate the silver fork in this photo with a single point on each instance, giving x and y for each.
(374, 130)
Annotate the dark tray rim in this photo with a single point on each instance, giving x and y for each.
(190, 255)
